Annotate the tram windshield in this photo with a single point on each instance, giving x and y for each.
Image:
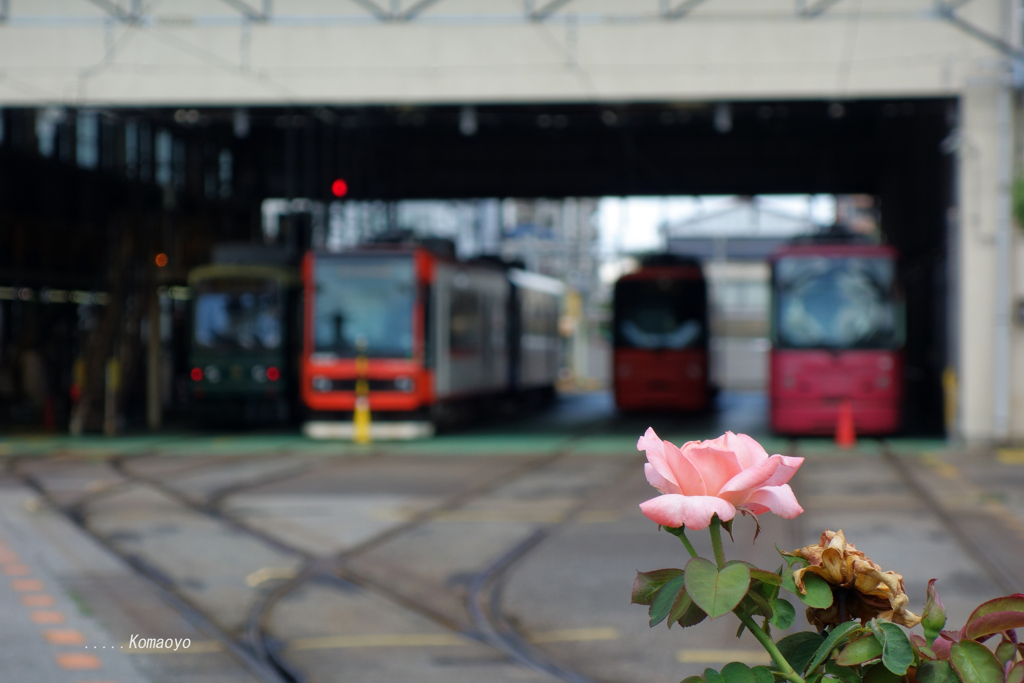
(364, 300)
(660, 314)
(838, 303)
(238, 314)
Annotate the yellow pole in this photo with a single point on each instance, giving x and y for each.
(361, 415)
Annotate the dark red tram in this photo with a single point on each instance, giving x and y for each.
(837, 337)
(660, 336)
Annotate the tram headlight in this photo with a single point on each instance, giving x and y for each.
(259, 373)
(211, 373)
(321, 383)
(404, 384)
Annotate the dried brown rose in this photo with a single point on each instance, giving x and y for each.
(860, 589)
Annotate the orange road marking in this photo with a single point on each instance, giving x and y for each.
(24, 585)
(37, 600)
(16, 570)
(78, 660)
(63, 636)
(47, 617)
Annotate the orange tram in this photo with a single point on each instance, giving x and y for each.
(660, 336)
(432, 339)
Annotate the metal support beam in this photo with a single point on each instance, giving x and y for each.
(118, 12)
(680, 10)
(981, 34)
(250, 12)
(374, 9)
(815, 9)
(415, 9)
(545, 11)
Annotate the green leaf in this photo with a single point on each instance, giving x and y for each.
(647, 584)
(785, 613)
(877, 673)
(836, 638)
(861, 650)
(1007, 603)
(799, 648)
(1006, 651)
(738, 672)
(762, 606)
(789, 559)
(933, 671)
(819, 591)
(843, 673)
(716, 591)
(712, 676)
(975, 663)
(1016, 673)
(763, 674)
(897, 652)
(993, 622)
(765, 577)
(684, 612)
(692, 679)
(665, 599)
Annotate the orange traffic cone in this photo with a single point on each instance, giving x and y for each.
(846, 435)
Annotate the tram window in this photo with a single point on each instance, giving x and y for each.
(825, 302)
(660, 314)
(466, 323)
(364, 298)
(238, 314)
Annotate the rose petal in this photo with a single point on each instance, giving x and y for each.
(655, 449)
(695, 512)
(778, 499)
(716, 466)
(748, 451)
(669, 462)
(788, 467)
(738, 489)
(659, 482)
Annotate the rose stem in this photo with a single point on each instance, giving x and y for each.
(689, 546)
(716, 540)
(766, 641)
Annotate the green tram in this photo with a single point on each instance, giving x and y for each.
(245, 344)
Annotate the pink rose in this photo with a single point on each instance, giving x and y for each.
(716, 476)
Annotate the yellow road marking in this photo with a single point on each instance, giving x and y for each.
(575, 635)
(723, 656)
(598, 516)
(1010, 456)
(379, 640)
(268, 573)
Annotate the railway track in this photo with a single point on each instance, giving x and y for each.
(255, 650)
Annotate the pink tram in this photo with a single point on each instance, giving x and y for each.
(837, 337)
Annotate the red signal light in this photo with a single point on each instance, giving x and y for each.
(339, 188)
(161, 260)
(197, 374)
(273, 374)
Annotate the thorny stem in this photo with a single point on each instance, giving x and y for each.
(766, 641)
(689, 546)
(716, 540)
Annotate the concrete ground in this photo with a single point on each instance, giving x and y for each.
(505, 552)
